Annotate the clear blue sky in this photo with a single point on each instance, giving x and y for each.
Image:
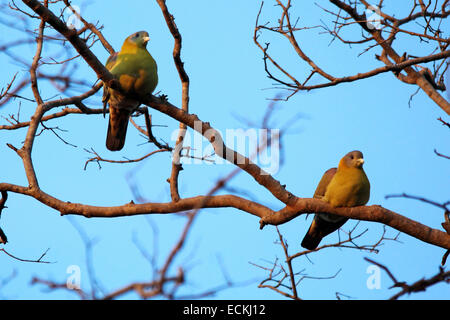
(227, 79)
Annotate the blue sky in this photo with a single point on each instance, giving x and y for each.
(228, 82)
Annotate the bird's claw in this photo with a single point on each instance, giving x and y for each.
(163, 98)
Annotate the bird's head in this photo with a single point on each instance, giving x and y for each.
(353, 159)
(138, 39)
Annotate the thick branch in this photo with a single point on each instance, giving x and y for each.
(368, 213)
(131, 208)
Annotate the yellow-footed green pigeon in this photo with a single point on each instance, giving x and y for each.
(136, 71)
(346, 186)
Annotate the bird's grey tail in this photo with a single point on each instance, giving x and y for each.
(117, 128)
(312, 239)
(320, 228)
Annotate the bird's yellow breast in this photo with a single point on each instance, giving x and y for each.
(348, 188)
(136, 71)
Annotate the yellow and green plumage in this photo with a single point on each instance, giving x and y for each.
(136, 71)
(346, 186)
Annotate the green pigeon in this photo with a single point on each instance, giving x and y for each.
(346, 186)
(136, 71)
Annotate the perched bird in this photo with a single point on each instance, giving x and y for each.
(346, 186)
(136, 71)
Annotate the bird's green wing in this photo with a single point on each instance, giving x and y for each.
(109, 65)
(322, 224)
(111, 60)
(323, 183)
